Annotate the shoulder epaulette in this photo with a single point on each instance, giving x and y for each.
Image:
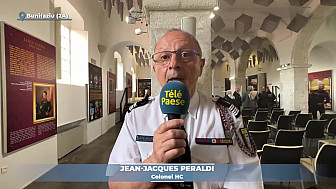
(228, 103)
(139, 104)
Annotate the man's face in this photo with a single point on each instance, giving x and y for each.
(44, 96)
(186, 72)
(321, 86)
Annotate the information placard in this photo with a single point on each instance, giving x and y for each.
(28, 88)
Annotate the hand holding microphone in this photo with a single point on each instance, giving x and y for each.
(169, 139)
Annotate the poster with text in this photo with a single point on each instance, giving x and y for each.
(325, 77)
(111, 85)
(29, 89)
(129, 84)
(95, 93)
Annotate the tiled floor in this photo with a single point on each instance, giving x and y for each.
(97, 152)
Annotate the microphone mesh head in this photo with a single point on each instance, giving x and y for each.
(174, 98)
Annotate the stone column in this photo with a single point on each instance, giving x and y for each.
(165, 15)
(238, 82)
(294, 89)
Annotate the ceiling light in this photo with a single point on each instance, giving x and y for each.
(212, 15)
(138, 31)
(216, 8)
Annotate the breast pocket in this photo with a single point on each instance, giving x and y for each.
(209, 154)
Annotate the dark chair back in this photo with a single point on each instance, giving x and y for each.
(289, 138)
(325, 161)
(275, 115)
(260, 138)
(262, 109)
(302, 119)
(328, 117)
(294, 113)
(272, 154)
(261, 115)
(277, 109)
(257, 125)
(332, 126)
(315, 128)
(247, 112)
(246, 119)
(285, 122)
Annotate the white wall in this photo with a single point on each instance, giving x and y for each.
(270, 68)
(43, 152)
(219, 75)
(322, 51)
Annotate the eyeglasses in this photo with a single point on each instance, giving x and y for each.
(185, 55)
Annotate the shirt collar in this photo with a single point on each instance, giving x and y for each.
(193, 105)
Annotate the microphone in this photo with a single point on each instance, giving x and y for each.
(174, 99)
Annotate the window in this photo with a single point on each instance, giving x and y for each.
(65, 55)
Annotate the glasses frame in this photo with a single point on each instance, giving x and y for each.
(173, 52)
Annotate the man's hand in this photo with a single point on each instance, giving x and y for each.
(168, 142)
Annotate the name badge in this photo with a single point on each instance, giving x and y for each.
(214, 141)
(144, 138)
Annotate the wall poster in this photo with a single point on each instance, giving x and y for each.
(326, 78)
(129, 84)
(142, 85)
(95, 92)
(253, 81)
(28, 88)
(111, 88)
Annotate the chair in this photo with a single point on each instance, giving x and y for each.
(246, 120)
(260, 138)
(314, 130)
(261, 116)
(272, 154)
(301, 120)
(247, 112)
(328, 117)
(289, 138)
(257, 125)
(277, 109)
(284, 122)
(294, 113)
(331, 128)
(262, 109)
(275, 115)
(324, 164)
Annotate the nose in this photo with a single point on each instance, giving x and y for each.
(174, 62)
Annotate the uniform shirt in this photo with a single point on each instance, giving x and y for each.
(202, 121)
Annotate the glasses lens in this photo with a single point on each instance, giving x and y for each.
(184, 55)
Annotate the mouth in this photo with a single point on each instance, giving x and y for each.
(175, 79)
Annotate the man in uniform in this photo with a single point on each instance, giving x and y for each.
(178, 57)
(317, 100)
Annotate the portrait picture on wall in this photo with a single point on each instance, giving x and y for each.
(111, 78)
(326, 78)
(95, 93)
(43, 102)
(28, 88)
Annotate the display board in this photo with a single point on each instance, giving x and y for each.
(142, 85)
(95, 92)
(129, 84)
(111, 86)
(326, 78)
(28, 88)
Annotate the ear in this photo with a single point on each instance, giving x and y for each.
(202, 63)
